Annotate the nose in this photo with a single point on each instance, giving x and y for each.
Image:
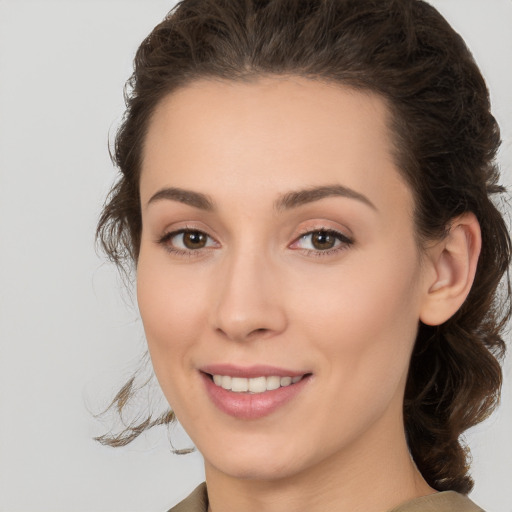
(249, 301)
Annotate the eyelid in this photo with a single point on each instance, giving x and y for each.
(344, 240)
(170, 234)
(321, 225)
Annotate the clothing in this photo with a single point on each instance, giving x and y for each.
(197, 501)
(446, 501)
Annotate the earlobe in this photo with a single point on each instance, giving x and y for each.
(454, 261)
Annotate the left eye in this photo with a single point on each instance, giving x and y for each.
(321, 240)
(188, 240)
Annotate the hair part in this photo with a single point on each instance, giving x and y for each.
(445, 140)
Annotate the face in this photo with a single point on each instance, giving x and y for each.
(279, 281)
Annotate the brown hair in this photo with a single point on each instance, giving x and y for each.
(446, 141)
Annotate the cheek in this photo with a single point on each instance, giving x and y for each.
(365, 314)
(171, 306)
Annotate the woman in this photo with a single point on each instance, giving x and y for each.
(306, 194)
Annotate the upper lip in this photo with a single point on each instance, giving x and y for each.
(249, 371)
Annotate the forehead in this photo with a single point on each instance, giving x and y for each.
(271, 134)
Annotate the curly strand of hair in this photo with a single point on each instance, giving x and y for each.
(134, 430)
(135, 427)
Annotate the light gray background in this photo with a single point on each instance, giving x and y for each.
(68, 338)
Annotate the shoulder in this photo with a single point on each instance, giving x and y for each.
(447, 501)
(197, 501)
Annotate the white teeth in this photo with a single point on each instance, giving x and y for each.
(254, 385)
(226, 382)
(286, 381)
(239, 384)
(258, 385)
(273, 383)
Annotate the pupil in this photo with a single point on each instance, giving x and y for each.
(323, 240)
(194, 240)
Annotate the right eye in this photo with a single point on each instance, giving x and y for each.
(186, 241)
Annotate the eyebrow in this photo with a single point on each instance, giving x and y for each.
(301, 197)
(288, 201)
(195, 199)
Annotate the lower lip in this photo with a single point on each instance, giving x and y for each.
(250, 406)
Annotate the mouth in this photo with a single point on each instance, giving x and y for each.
(254, 385)
(252, 393)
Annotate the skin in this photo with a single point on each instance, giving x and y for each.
(258, 293)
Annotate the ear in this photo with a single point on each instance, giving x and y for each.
(452, 263)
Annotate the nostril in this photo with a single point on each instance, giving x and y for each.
(258, 332)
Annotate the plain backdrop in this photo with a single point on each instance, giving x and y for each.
(68, 336)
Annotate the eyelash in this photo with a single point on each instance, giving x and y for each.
(167, 237)
(344, 242)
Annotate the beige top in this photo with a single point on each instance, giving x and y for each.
(446, 501)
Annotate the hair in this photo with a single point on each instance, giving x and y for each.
(445, 141)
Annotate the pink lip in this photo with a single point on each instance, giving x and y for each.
(249, 371)
(249, 406)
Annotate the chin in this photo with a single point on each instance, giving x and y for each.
(260, 461)
(255, 469)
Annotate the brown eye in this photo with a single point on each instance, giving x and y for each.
(187, 241)
(323, 240)
(194, 239)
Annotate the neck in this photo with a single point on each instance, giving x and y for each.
(373, 475)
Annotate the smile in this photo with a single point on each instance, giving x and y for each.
(253, 385)
(252, 393)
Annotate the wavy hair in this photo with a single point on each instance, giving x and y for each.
(445, 141)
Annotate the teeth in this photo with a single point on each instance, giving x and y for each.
(273, 383)
(257, 385)
(254, 385)
(239, 384)
(226, 382)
